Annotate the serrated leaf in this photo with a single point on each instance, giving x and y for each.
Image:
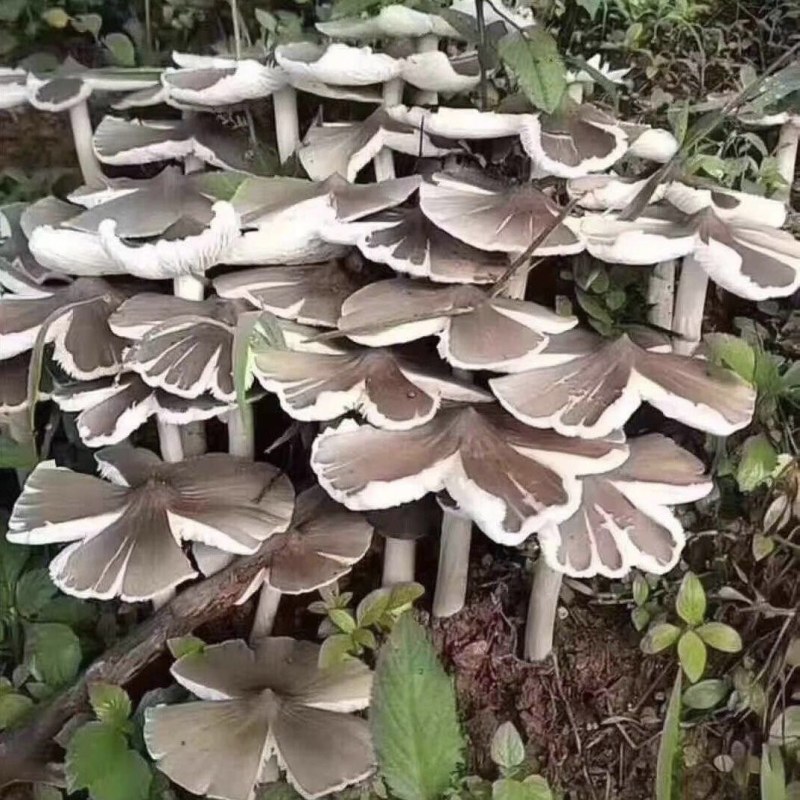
(690, 603)
(758, 460)
(692, 655)
(668, 762)
(660, 637)
(720, 636)
(13, 707)
(535, 62)
(706, 694)
(507, 748)
(121, 49)
(34, 591)
(772, 777)
(413, 716)
(110, 704)
(52, 652)
(56, 17)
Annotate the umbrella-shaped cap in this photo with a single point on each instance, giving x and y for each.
(274, 700)
(509, 478)
(337, 64)
(458, 123)
(623, 521)
(391, 21)
(126, 535)
(734, 207)
(593, 394)
(434, 71)
(13, 88)
(609, 192)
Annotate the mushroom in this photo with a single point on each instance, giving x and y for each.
(13, 88)
(582, 82)
(476, 330)
(623, 522)
(126, 533)
(433, 72)
(593, 388)
(392, 20)
(401, 527)
(273, 700)
(609, 192)
(321, 545)
(509, 478)
(458, 123)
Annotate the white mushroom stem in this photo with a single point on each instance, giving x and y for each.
(266, 611)
(240, 432)
(451, 578)
(287, 127)
(384, 160)
(690, 302)
(575, 92)
(427, 44)
(786, 155)
(661, 294)
(399, 560)
(169, 439)
(82, 136)
(542, 609)
(192, 163)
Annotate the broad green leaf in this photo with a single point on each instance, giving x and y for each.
(34, 591)
(221, 185)
(762, 546)
(669, 761)
(14, 455)
(13, 707)
(11, 9)
(540, 787)
(13, 558)
(334, 650)
(720, 636)
(593, 307)
(372, 607)
(640, 617)
(110, 704)
(88, 23)
(640, 589)
(691, 601)
(52, 652)
(785, 728)
(56, 17)
(403, 595)
(121, 49)
(342, 619)
(8, 42)
(692, 655)
(508, 789)
(758, 460)
(734, 353)
(70, 611)
(413, 716)
(534, 60)
(507, 749)
(706, 694)
(660, 637)
(266, 20)
(182, 646)
(365, 638)
(772, 778)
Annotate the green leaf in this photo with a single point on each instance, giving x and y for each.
(540, 787)
(591, 7)
(14, 455)
(110, 704)
(668, 762)
(52, 652)
(11, 9)
(762, 546)
(342, 619)
(691, 601)
(678, 117)
(88, 23)
(34, 591)
(785, 728)
(706, 694)
(537, 65)
(720, 636)
(71, 611)
(758, 460)
(507, 749)
(772, 778)
(508, 789)
(640, 617)
(593, 307)
(640, 589)
(182, 646)
(334, 650)
(692, 655)
(13, 558)
(121, 49)
(660, 637)
(56, 17)
(98, 759)
(373, 606)
(13, 707)
(734, 353)
(365, 638)
(413, 716)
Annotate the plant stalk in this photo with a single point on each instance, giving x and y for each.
(451, 578)
(81, 126)
(427, 44)
(399, 560)
(542, 609)
(384, 161)
(690, 303)
(241, 440)
(266, 611)
(786, 156)
(169, 439)
(287, 126)
(661, 294)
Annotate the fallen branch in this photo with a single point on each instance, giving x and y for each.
(24, 752)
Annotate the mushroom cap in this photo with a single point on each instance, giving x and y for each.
(434, 71)
(496, 217)
(593, 394)
(143, 98)
(458, 123)
(509, 478)
(476, 331)
(125, 538)
(14, 383)
(409, 521)
(623, 521)
(273, 700)
(734, 207)
(395, 20)
(609, 192)
(13, 88)
(652, 144)
(337, 64)
(74, 83)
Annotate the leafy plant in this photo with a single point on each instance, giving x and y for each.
(508, 753)
(669, 763)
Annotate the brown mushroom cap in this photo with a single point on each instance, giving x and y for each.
(409, 521)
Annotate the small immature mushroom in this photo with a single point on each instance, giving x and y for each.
(126, 533)
(476, 331)
(322, 544)
(650, 144)
(511, 479)
(623, 522)
(581, 83)
(273, 700)
(594, 389)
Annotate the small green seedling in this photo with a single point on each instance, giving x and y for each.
(508, 753)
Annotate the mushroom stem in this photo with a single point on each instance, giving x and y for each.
(399, 558)
(451, 577)
(786, 156)
(240, 432)
(169, 439)
(287, 127)
(575, 92)
(690, 302)
(192, 163)
(81, 126)
(266, 611)
(162, 598)
(384, 160)
(661, 294)
(542, 608)
(427, 44)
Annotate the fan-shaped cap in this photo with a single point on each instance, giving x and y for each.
(728, 205)
(274, 700)
(652, 144)
(126, 538)
(509, 478)
(595, 393)
(609, 192)
(347, 147)
(337, 64)
(393, 20)
(476, 331)
(572, 143)
(458, 123)
(434, 71)
(496, 217)
(73, 83)
(623, 520)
